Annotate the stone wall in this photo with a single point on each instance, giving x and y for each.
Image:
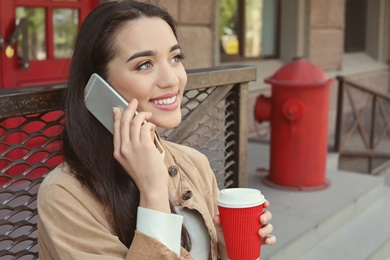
(326, 33)
(195, 20)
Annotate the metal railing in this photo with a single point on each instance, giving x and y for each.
(214, 109)
(362, 128)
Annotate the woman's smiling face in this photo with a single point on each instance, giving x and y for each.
(147, 66)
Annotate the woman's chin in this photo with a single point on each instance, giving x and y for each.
(169, 125)
(168, 122)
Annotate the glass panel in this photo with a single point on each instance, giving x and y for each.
(270, 28)
(65, 24)
(253, 27)
(36, 32)
(260, 28)
(228, 26)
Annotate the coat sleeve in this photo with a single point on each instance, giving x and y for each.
(73, 225)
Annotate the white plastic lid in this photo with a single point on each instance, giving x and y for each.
(240, 198)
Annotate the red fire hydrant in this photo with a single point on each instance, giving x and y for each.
(298, 115)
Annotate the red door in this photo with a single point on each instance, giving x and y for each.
(37, 39)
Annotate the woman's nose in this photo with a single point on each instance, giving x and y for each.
(168, 76)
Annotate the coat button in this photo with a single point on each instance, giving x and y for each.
(187, 195)
(172, 170)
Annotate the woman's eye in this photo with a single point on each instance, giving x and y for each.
(144, 66)
(178, 58)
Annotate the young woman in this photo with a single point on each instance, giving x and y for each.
(119, 196)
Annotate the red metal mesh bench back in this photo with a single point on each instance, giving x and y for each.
(214, 121)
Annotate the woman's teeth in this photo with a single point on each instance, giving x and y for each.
(165, 101)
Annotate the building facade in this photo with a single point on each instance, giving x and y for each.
(341, 39)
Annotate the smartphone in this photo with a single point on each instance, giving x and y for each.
(100, 98)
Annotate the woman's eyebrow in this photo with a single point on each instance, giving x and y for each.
(175, 47)
(141, 54)
(150, 53)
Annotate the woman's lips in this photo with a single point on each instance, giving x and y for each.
(165, 102)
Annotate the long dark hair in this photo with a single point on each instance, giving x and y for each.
(87, 145)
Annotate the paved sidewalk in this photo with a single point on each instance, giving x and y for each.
(325, 224)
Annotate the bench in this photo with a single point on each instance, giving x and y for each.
(214, 109)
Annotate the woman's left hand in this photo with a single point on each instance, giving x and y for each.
(265, 231)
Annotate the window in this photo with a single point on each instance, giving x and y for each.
(36, 30)
(65, 24)
(248, 29)
(355, 25)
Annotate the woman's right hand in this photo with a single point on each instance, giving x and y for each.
(135, 150)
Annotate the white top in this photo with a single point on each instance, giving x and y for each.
(200, 238)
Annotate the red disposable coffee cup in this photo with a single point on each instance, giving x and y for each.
(239, 211)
